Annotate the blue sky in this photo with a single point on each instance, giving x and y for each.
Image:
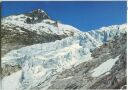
(83, 15)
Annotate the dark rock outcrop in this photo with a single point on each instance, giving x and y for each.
(36, 16)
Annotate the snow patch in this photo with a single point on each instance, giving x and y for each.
(68, 78)
(104, 67)
(11, 82)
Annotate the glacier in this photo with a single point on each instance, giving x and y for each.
(41, 62)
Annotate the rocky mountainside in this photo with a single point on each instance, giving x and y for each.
(106, 69)
(31, 28)
(79, 60)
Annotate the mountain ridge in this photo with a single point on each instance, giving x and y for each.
(42, 65)
(16, 33)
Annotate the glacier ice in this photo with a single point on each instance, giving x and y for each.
(40, 62)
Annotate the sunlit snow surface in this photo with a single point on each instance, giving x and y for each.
(104, 67)
(11, 82)
(40, 62)
(44, 26)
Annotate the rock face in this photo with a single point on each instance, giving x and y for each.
(81, 76)
(36, 16)
(15, 39)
